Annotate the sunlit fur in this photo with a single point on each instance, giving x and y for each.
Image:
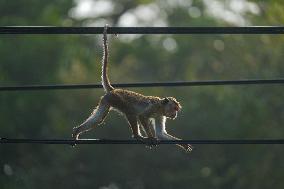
(172, 107)
(138, 109)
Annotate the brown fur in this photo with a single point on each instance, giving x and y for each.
(105, 79)
(126, 101)
(137, 108)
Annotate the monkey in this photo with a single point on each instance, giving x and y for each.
(139, 110)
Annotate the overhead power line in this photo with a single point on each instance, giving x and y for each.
(141, 30)
(151, 84)
(107, 141)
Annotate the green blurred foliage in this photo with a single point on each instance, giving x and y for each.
(219, 112)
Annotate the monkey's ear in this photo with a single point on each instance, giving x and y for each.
(165, 101)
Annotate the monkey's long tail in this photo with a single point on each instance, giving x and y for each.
(105, 80)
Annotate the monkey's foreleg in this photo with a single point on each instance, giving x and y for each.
(166, 136)
(151, 141)
(146, 125)
(95, 118)
(133, 122)
(161, 133)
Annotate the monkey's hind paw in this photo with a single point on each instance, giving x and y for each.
(76, 133)
(75, 136)
(73, 144)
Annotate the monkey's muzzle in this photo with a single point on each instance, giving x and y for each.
(172, 115)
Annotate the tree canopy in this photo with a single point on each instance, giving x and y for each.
(215, 112)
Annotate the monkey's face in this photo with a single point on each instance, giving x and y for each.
(171, 107)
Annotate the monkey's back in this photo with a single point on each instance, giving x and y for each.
(128, 101)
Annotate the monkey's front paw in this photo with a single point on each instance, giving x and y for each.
(151, 142)
(187, 147)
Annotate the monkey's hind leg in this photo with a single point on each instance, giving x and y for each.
(96, 118)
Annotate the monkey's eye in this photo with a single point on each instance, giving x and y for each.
(176, 108)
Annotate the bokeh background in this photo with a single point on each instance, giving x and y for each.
(215, 112)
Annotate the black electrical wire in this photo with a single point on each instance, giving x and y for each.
(141, 30)
(152, 84)
(108, 141)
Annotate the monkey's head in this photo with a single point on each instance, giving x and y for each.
(170, 107)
